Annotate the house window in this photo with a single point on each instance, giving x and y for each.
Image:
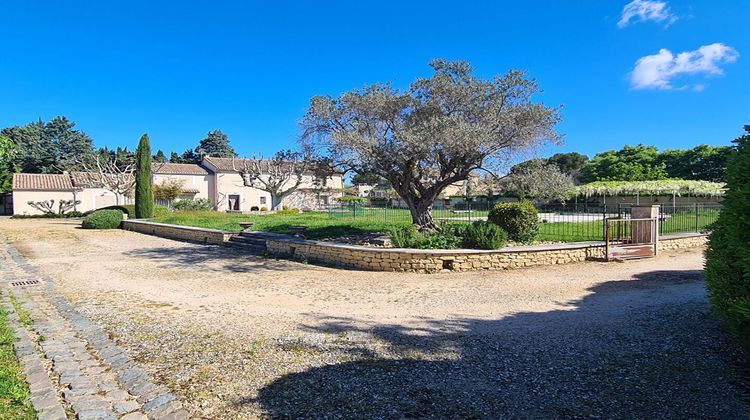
(263, 200)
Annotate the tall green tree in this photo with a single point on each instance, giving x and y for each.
(216, 144)
(703, 162)
(160, 157)
(728, 255)
(144, 196)
(8, 151)
(49, 147)
(569, 163)
(631, 163)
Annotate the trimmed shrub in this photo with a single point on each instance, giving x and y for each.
(129, 209)
(103, 219)
(410, 237)
(520, 220)
(405, 237)
(484, 235)
(68, 215)
(728, 256)
(201, 204)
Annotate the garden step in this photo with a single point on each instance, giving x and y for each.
(247, 240)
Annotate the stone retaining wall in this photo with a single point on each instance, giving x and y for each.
(181, 233)
(394, 259)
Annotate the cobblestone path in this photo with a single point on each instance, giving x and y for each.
(72, 367)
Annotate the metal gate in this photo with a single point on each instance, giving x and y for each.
(627, 238)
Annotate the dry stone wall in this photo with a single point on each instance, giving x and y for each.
(393, 259)
(181, 233)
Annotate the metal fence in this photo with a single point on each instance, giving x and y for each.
(559, 223)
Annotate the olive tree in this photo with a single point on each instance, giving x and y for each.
(537, 179)
(433, 134)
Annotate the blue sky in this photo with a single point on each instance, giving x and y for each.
(177, 71)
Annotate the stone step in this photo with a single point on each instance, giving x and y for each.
(249, 240)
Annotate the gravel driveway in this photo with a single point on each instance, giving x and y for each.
(241, 336)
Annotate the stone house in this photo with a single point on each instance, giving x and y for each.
(215, 179)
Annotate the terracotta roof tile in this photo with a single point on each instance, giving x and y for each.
(43, 182)
(178, 169)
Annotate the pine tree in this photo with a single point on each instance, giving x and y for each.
(144, 196)
(160, 157)
(174, 157)
(215, 144)
(728, 255)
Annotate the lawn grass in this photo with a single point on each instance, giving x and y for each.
(319, 224)
(364, 220)
(14, 392)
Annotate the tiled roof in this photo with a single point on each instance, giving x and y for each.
(178, 169)
(190, 190)
(44, 182)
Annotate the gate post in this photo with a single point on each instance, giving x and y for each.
(640, 234)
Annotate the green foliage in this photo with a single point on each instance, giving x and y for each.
(8, 151)
(568, 163)
(160, 157)
(287, 211)
(103, 219)
(144, 196)
(639, 163)
(168, 189)
(67, 215)
(201, 204)
(484, 235)
(368, 178)
(14, 392)
(129, 209)
(49, 147)
(405, 237)
(699, 163)
(520, 220)
(728, 254)
(215, 144)
(410, 237)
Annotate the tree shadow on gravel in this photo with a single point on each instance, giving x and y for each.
(231, 259)
(646, 347)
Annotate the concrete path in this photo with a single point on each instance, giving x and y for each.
(71, 365)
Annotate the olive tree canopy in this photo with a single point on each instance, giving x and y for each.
(433, 134)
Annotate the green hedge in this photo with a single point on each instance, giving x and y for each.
(728, 254)
(129, 209)
(484, 235)
(520, 220)
(103, 219)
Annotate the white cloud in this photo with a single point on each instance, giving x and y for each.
(657, 71)
(643, 10)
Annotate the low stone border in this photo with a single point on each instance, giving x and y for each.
(182, 233)
(398, 259)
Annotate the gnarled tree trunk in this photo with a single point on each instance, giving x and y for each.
(421, 213)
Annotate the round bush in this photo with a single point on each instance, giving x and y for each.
(484, 235)
(103, 219)
(520, 220)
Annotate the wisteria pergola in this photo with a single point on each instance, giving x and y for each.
(673, 187)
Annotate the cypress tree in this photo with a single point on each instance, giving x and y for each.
(144, 196)
(728, 254)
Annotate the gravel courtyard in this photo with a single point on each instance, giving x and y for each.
(243, 336)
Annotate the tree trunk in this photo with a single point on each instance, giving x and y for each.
(421, 214)
(275, 202)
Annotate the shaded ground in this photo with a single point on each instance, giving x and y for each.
(251, 337)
